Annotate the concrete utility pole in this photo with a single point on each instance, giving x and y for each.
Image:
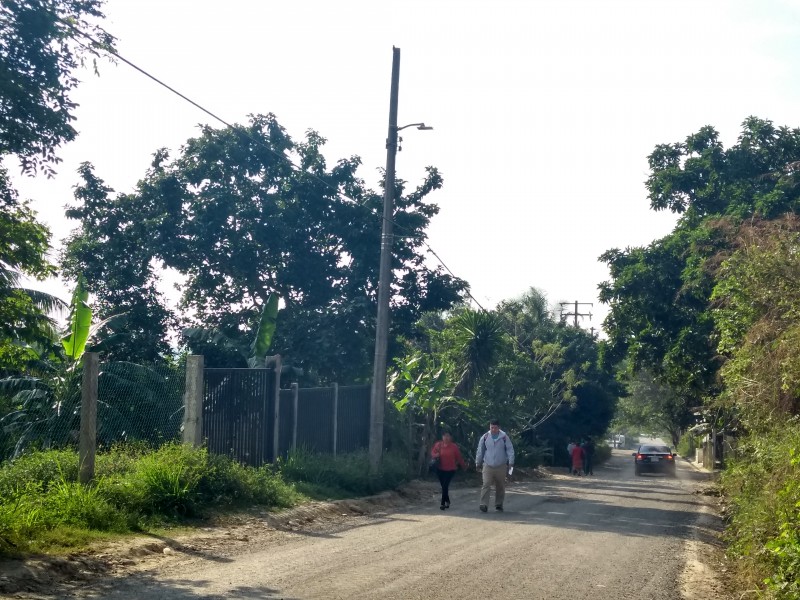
(378, 398)
(575, 313)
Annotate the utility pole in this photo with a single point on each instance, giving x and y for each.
(575, 312)
(378, 397)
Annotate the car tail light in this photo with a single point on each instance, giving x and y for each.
(669, 457)
(640, 457)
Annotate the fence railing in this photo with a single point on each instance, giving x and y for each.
(241, 413)
(130, 402)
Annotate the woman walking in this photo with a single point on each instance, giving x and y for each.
(449, 457)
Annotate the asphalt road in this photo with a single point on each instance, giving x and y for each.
(610, 536)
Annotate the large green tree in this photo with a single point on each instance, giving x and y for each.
(660, 295)
(108, 250)
(42, 44)
(239, 222)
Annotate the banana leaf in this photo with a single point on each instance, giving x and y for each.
(80, 320)
(266, 329)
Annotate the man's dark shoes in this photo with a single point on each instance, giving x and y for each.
(447, 505)
(499, 507)
(484, 508)
(442, 506)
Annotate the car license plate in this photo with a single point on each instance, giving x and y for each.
(654, 459)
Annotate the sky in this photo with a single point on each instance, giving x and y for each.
(544, 112)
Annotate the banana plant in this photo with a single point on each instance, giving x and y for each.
(48, 406)
(80, 329)
(421, 389)
(254, 354)
(266, 330)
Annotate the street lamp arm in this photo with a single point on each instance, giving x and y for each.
(420, 126)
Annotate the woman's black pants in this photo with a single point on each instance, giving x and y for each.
(444, 478)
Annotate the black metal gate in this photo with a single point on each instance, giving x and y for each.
(238, 413)
(239, 416)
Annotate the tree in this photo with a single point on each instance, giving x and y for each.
(42, 44)
(515, 363)
(755, 309)
(120, 269)
(239, 222)
(652, 406)
(23, 246)
(660, 295)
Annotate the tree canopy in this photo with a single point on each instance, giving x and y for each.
(239, 222)
(660, 296)
(42, 44)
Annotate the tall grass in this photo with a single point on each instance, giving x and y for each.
(763, 488)
(326, 476)
(41, 500)
(43, 507)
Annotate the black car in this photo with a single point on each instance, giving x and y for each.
(652, 458)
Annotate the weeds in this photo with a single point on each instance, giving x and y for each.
(43, 507)
(763, 489)
(323, 475)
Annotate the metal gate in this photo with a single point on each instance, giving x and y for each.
(239, 416)
(237, 413)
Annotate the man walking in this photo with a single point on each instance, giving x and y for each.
(588, 457)
(495, 456)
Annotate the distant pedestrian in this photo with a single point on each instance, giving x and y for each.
(577, 460)
(449, 459)
(588, 457)
(495, 456)
(570, 446)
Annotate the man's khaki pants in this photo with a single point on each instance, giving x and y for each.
(493, 476)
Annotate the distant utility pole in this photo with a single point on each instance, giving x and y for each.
(378, 397)
(575, 312)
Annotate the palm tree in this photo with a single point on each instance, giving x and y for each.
(479, 338)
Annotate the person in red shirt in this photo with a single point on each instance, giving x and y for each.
(577, 459)
(446, 450)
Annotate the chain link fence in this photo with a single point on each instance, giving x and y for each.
(136, 403)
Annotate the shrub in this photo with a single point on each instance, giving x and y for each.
(763, 488)
(170, 479)
(533, 455)
(687, 445)
(41, 468)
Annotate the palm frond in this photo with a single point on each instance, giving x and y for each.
(46, 302)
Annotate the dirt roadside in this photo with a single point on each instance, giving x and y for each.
(41, 576)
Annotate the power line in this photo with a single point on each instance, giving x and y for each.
(298, 169)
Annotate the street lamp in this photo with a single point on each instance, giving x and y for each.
(378, 395)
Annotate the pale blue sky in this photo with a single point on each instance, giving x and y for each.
(544, 111)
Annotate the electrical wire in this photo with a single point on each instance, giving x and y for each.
(419, 237)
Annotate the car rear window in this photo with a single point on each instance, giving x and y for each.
(655, 450)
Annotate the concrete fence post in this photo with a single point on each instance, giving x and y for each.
(296, 406)
(335, 417)
(193, 402)
(87, 443)
(276, 430)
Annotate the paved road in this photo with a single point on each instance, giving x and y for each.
(611, 536)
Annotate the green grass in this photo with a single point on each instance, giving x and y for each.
(325, 476)
(762, 488)
(43, 508)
